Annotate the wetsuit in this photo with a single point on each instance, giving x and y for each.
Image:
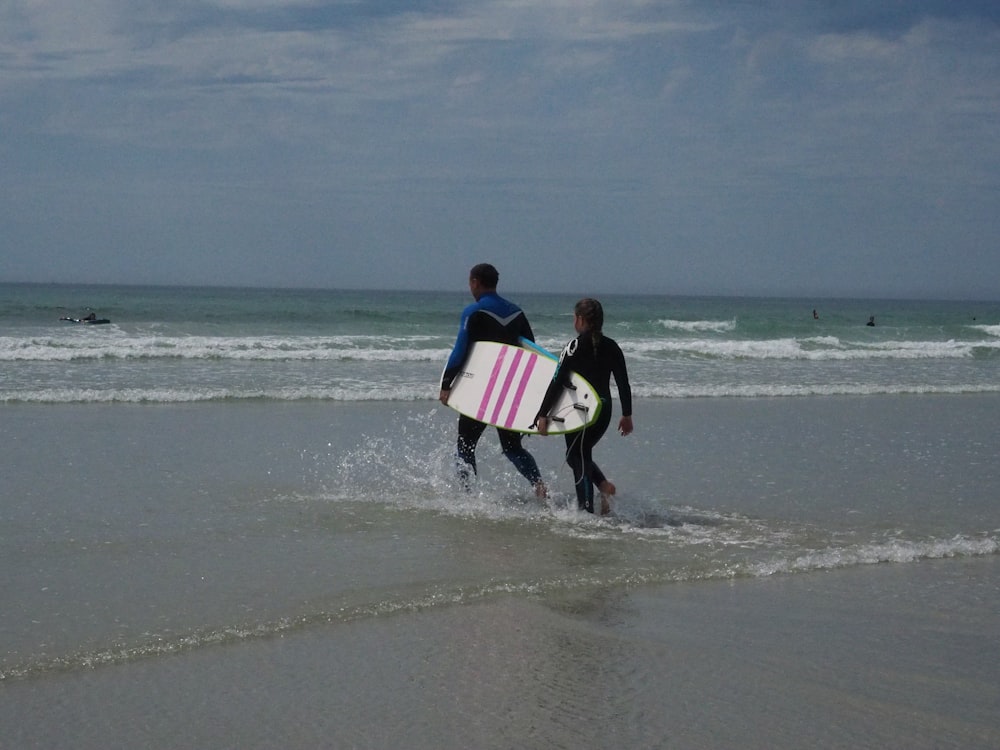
(490, 318)
(596, 364)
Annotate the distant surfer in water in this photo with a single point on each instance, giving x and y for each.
(596, 358)
(489, 318)
(90, 317)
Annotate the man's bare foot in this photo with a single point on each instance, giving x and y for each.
(541, 491)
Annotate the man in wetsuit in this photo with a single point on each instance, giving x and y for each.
(489, 318)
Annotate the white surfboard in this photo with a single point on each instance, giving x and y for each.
(503, 385)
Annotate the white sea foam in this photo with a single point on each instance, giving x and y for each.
(398, 391)
(263, 348)
(896, 551)
(811, 349)
(717, 326)
(993, 330)
(363, 392)
(778, 390)
(429, 349)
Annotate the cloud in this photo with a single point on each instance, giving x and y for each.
(667, 135)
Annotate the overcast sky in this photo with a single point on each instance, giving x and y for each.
(814, 148)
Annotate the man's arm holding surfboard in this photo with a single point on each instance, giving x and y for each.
(459, 353)
(479, 324)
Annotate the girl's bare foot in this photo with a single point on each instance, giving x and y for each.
(607, 490)
(541, 491)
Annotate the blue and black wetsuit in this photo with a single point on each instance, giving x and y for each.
(490, 318)
(596, 359)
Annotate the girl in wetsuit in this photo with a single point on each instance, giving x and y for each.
(595, 357)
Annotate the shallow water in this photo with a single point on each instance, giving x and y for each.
(131, 531)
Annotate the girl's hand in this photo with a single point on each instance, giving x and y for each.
(542, 424)
(625, 426)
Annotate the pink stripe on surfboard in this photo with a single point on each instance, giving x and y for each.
(520, 389)
(497, 366)
(506, 386)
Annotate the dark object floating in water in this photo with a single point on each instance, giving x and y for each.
(87, 321)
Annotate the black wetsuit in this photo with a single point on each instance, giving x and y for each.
(490, 318)
(596, 365)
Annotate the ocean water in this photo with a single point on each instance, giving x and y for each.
(228, 518)
(173, 345)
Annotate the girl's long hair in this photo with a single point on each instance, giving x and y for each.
(592, 314)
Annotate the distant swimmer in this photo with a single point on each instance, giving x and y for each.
(871, 321)
(815, 315)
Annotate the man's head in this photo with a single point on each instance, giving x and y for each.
(483, 278)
